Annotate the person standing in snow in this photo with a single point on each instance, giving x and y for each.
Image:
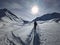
(35, 24)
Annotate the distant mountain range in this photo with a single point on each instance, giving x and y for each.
(6, 13)
(55, 16)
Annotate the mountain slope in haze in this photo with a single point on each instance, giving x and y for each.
(6, 13)
(24, 21)
(8, 21)
(55, 16)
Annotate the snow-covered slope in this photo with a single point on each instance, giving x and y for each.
(13, 37)
(48, 33)
(51, 32)
(8, 21)
(4, 13)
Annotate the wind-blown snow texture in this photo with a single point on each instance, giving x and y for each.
(13, 30)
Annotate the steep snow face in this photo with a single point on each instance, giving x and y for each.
(8, 21)
(7, 13)
(7, 16)
(49, 34)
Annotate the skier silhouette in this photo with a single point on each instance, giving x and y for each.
(35, 24)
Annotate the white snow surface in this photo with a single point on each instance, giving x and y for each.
(49, 31)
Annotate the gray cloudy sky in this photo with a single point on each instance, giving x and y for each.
(22, 8)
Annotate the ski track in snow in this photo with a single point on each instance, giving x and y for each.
(50, 32)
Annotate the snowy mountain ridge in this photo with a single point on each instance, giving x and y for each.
(53, 16)
(4, 13)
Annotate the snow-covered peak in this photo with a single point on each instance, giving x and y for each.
(6, 15)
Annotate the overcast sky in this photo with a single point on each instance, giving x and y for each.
(22, 8)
